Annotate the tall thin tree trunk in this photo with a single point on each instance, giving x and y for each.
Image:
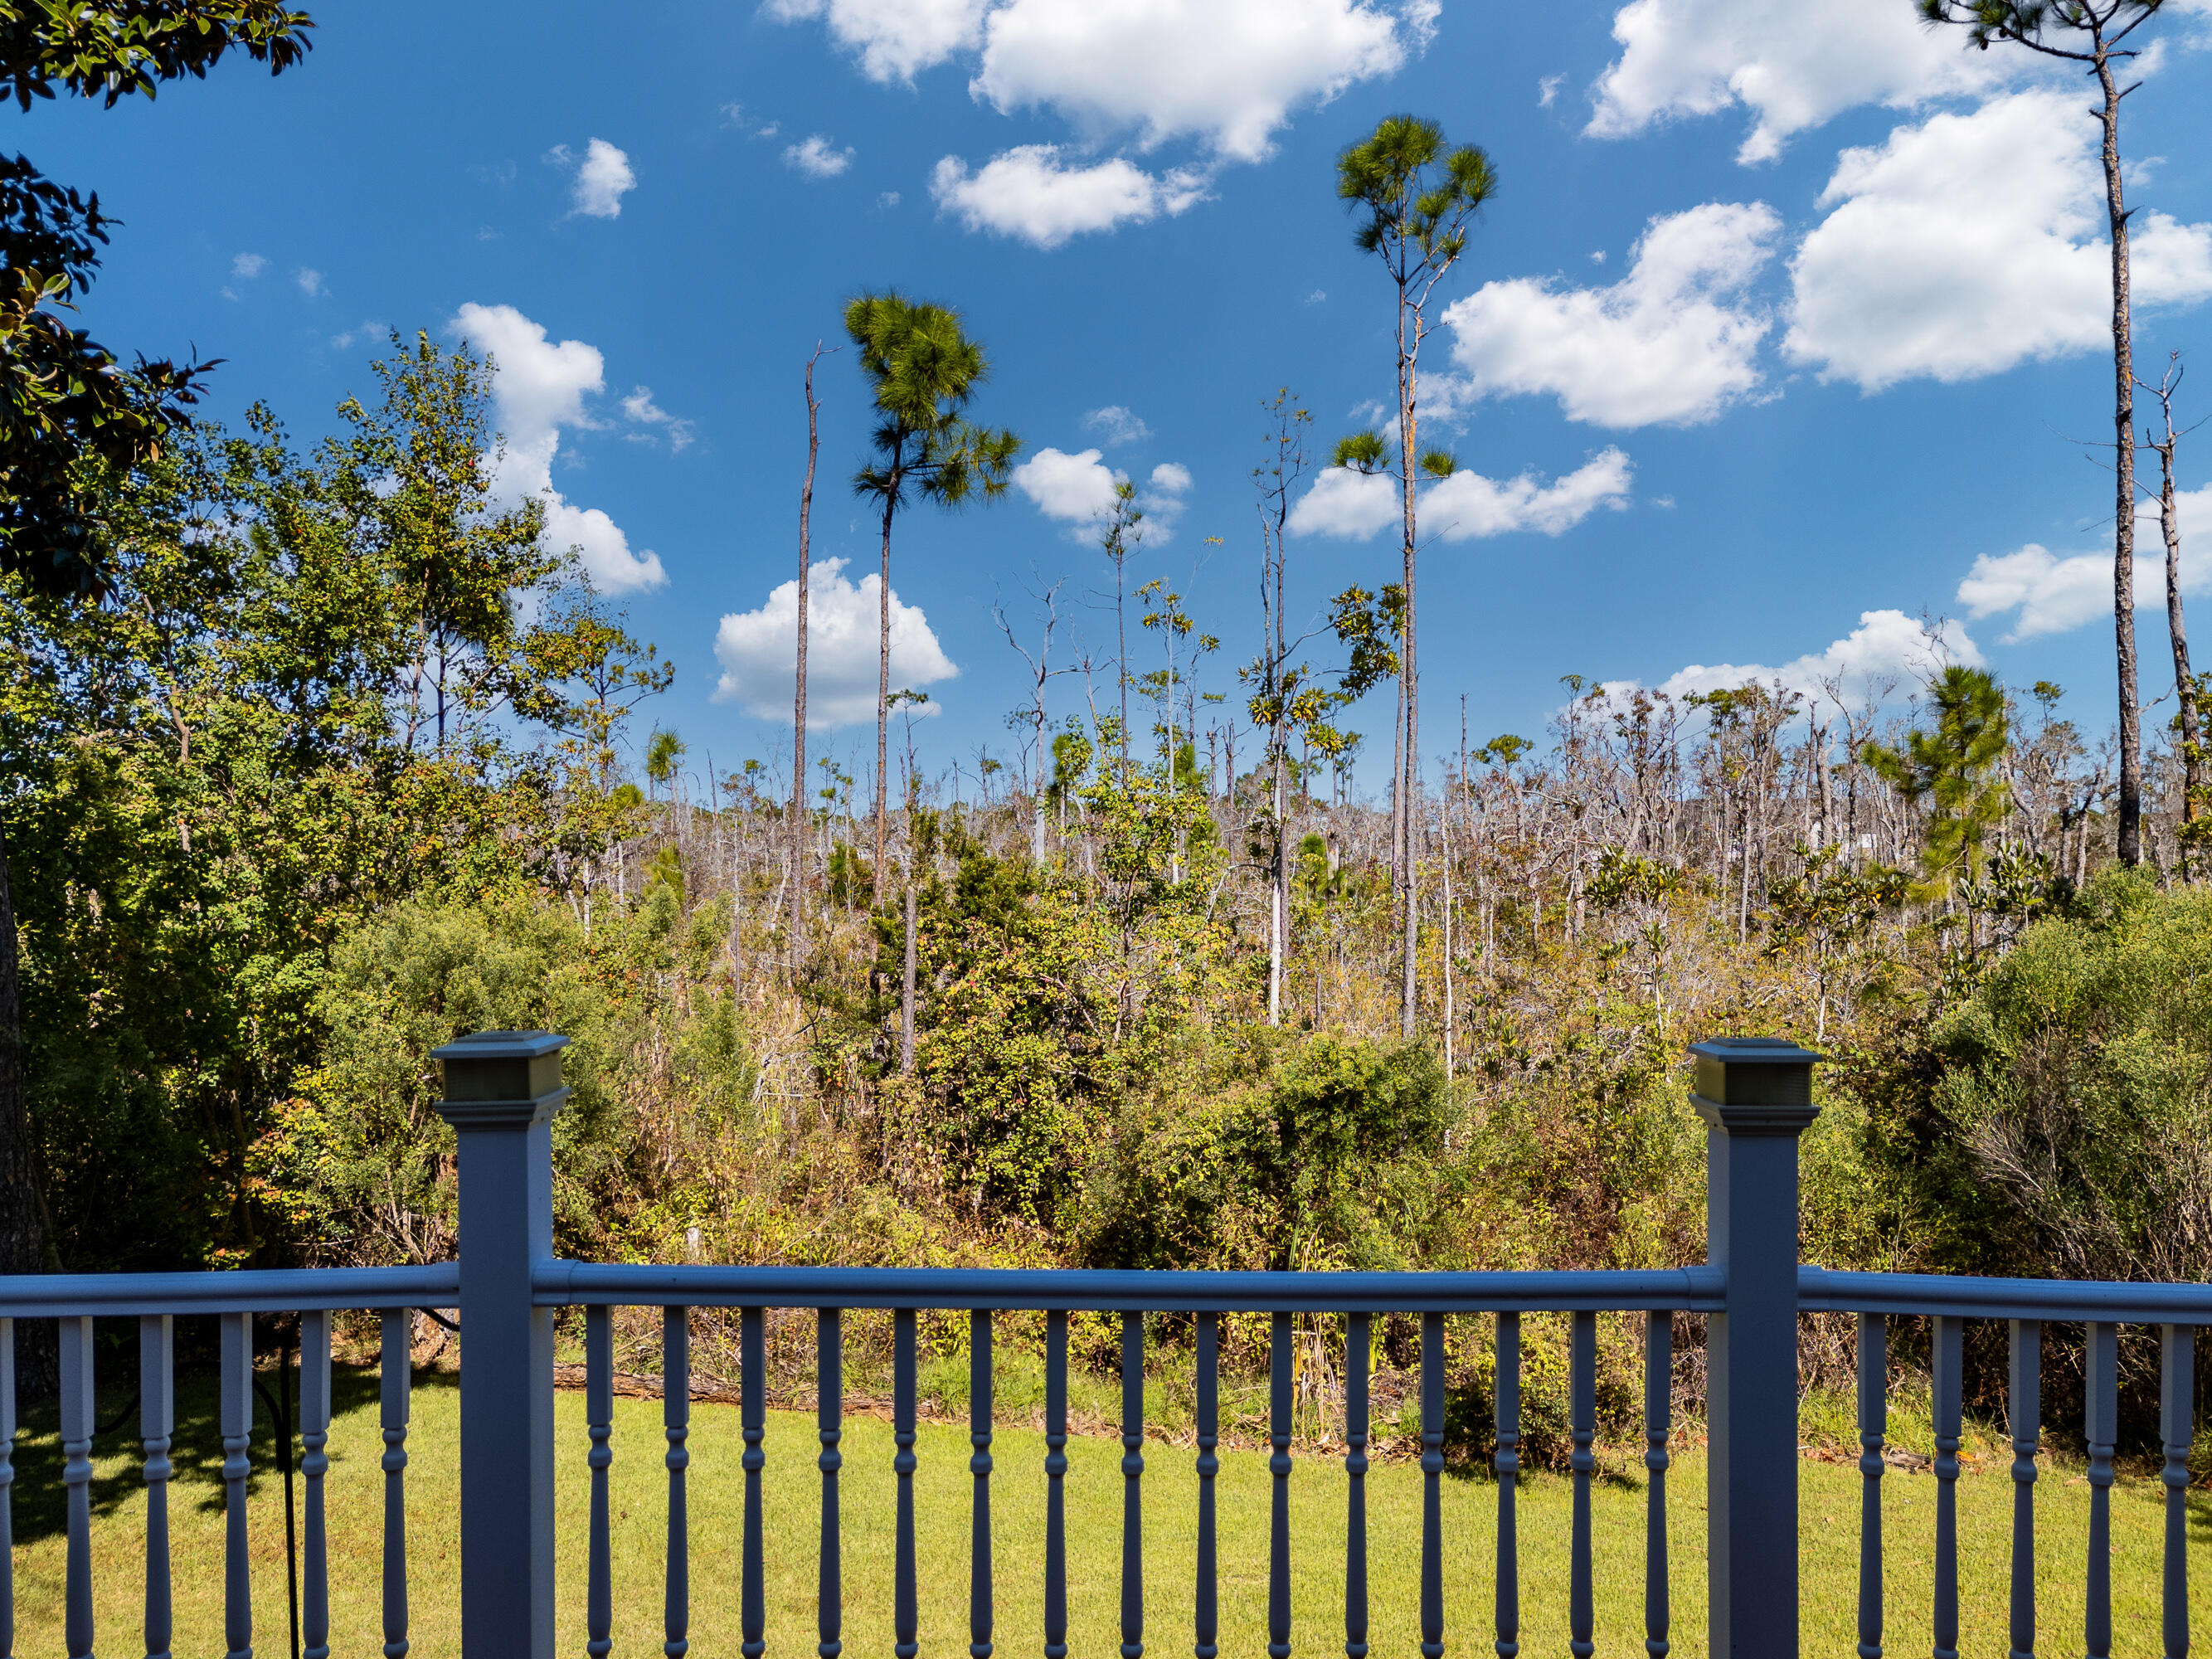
(1409, 678)
(2185, 682)
(906, 982)
(798, 812)
(2124, 522)
(883, 692)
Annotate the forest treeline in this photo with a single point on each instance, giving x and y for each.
(307, 796)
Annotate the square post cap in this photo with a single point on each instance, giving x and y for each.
(1754, 1086)
(502, 1078)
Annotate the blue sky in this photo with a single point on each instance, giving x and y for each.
(1779, 334)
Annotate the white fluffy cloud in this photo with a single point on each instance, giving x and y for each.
(1970, 243)
(1078, 490)
(1466, 506)
(249, 266)
(602, 177)
(817, 157)
(1116, 426)
(2047, 592)
(893, 39)
(539, 388)
(1071, 488)
(1793, 63)
(1888, 650)
(1222, 74)
(1674, 341)
(758, 650)
(1226, 72)
(311, 282)
(1031, 193)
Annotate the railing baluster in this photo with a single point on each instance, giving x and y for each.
(979, 1465)
(1508, 1465)
(1949, 1335)
(828, 1416)
(1432, 1470)
(1208, 1601)
(1582, 1427)
(2176, 1418)
(2100, 1429)
(905, 1617)
(676, 1421)
(314, 1464)
(157, 1428)
(1133, 1476)
(1278, 1466)
(1658, 1423)
(396, 1383)
(237, 1415)
(752, 1341)
(2024, 1403)
(78, 1417)
(599, 1425)
(7, 1488)
(1055, 1496)
(1874, 1431)
(1357, 1348)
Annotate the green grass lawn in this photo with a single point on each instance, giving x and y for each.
(1829, 1502)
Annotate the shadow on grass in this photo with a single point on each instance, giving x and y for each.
(41, 1500)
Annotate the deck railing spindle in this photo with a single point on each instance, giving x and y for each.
(78, 1417)
(1279, 1467)
(1658, 1423)
(1432, 1470)
(2177, 1405)
(1507, 1463)
(1055, 1482)
(599, 1427)
(1207, 1611)
(7, 1488)
(1948, 1382)
(1582, 1427)
(980, 1588)
(905, 1618)
(2101, 1428)
(395, 1384)
(1874, 1432)
(314, 1465)
(676, 1421)
(829, 1419)
(237, 1422)
(752, 1344)
(2024, 1405)
(1132, 1478)
(157, 1429)
(1357, 1348)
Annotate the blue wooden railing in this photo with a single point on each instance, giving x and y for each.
(503, 1090)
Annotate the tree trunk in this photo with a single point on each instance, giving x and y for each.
(1279, 907)
(2184, 683)
(798, 812)
(2124, 521)
(1409, 678)
(883, 694)
(906, 985)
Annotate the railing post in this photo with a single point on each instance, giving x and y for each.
(502, 1089)
(1755, 1095)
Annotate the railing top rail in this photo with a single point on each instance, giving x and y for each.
(52, 1296)
(2058, 1301)
(561, 1284)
